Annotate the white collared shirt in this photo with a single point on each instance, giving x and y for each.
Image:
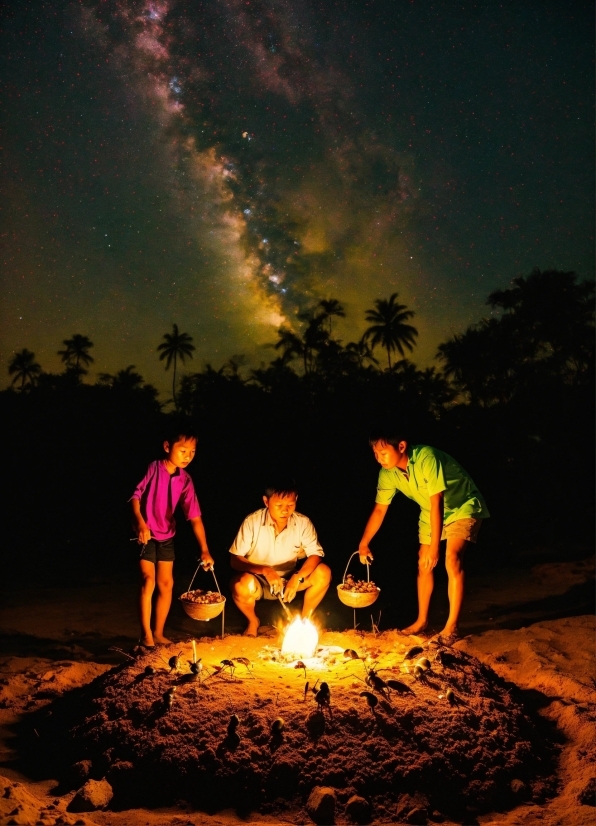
(256, 541)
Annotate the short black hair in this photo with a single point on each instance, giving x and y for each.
(281, 487)
(389, 434)
(179, 429)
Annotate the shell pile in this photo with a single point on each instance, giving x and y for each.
(202, 597)
(359, 586)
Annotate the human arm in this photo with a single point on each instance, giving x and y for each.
(199, 531)
(309, 547)
(430, 558)
(240, 563)
(433, 471)
(244, 552)
(299, 576)
(141, 528)
(375, 521)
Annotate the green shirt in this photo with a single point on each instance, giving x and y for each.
(431, 471)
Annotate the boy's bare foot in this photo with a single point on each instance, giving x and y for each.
(448, 631)
(147, 642)
(161, 640)
(252, 629)
(448, 636)
(414, 628)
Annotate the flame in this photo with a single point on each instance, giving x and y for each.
(301, 638)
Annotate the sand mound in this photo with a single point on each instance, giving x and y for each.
(20, 807)
(457, 739)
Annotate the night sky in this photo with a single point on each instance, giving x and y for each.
(226, 164)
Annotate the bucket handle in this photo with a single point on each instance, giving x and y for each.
(200, 565)
(356, 553)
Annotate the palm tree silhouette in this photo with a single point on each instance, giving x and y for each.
(315, 340)
(330, 307)
(290, 344)
(173, 347)
(127, 379)
(76, 353)
(24, 368)
(389, 328)
(361, 352)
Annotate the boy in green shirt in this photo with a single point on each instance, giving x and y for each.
(451, 508)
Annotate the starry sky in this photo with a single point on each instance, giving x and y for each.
(225, 164)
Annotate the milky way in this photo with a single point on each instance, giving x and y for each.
(226, 164)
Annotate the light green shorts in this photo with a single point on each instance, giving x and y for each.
(460, 529)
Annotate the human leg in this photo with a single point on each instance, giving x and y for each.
(145, 596)
(425, 584)
(315, 587)
(246, 589)
(165, 585)
(454, 558)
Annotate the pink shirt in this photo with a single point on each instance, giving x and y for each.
(159, 493)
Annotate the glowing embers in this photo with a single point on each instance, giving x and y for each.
(301, 639)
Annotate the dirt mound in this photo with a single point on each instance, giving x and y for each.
(455, 736)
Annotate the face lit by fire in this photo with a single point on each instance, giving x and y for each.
(280, 507)
(389, 456)
(181, 453)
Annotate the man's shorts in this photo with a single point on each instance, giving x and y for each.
(467, 529)
(156, 551)
(263, 589)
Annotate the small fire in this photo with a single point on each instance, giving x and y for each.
(301, 639)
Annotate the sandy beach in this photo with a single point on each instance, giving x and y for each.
(59, 640)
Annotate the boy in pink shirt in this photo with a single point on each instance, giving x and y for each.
(165, 485)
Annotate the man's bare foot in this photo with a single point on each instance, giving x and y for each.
(252, 629)
(161, 640)
(147, 642)
(414, 628)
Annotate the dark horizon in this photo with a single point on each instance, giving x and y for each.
(516, 392)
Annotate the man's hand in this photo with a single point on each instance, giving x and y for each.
(366, 556)
(276, 583)
(291, 587)
(143, 534)
(429, 559)
(207, 560)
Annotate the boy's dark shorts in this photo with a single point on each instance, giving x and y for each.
(156, 551)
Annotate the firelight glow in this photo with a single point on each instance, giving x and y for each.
(301, 638)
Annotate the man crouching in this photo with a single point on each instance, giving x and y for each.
(266, 552)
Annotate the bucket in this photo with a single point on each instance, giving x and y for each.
(357, 599)
(201, 610)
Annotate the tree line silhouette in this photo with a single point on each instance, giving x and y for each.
(513, 400)
(316, 347)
